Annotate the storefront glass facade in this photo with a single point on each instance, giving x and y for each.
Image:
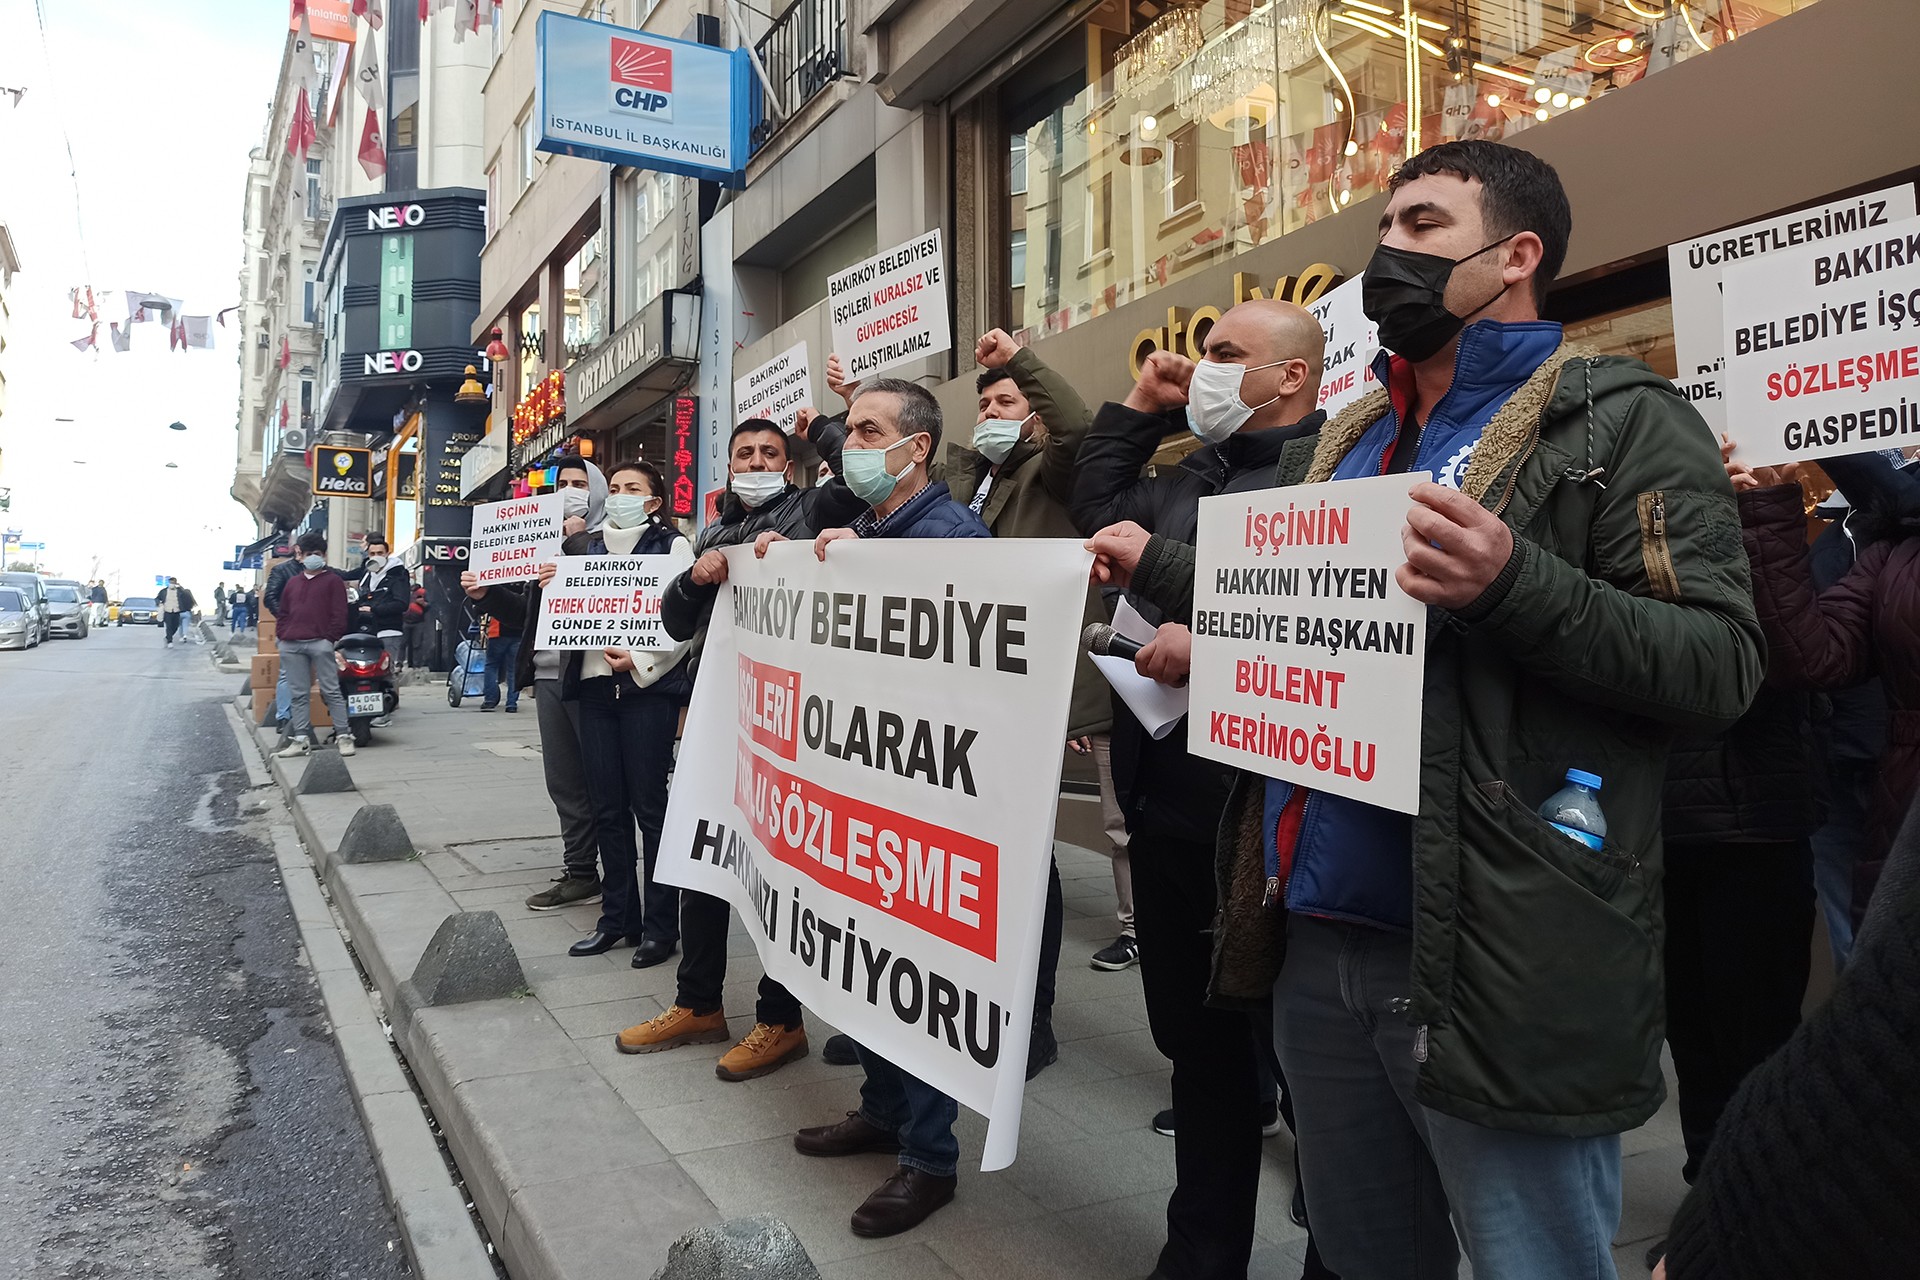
(1156, 139)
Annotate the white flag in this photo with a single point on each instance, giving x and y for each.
(369, 74)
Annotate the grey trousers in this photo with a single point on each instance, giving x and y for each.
(566, 778)
(302, 662)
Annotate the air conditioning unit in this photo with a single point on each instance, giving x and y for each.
(294, 440)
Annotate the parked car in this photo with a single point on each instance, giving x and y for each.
(34, 588)
(68, 605)
(19, 621)
(138, 609)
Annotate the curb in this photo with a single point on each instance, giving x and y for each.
(436, 1227)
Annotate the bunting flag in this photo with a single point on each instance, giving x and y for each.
(369, 74)
(426, 10)
(196, 333)
(286, 353)
(89, 343)
(122, 336)
(177, 333)
(304, 133)
(370, 10)
(373, 155)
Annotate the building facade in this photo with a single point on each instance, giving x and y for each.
(9, 265)
(1108, 177)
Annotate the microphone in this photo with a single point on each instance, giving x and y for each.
(1103, 641)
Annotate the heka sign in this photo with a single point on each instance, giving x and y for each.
(378, 362)
(395, 216)
(642, 74)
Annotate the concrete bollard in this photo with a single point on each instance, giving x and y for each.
(325, 774)
(762, 1247)
(374, 834)
(470, 958)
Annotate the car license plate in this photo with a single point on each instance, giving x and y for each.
(366, 704)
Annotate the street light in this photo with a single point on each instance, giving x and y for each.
(176, 426)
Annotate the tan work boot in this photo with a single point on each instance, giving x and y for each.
(677, 1026)
(765, 1049)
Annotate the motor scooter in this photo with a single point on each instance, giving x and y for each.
(366, 682)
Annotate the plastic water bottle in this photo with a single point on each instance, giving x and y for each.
(1575, 809)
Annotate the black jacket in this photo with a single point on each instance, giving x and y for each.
(1752, 783)
(797, 513)
(187, 601)
(387, 602)
(1812, 1171)
(1158, 783)
(277, 582)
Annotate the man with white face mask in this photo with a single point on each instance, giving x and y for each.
(583, 491)
(1254, 391)
(385, 593)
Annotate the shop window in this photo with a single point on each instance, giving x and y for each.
(804, 283)
(404, 128)
(584, 280)
(1173, 135)
(526, 133)
(1644, 332)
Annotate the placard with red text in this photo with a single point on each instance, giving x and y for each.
(1823, 347)
(869, 774)
(512, 539)
(1309, 661)
(597, 601)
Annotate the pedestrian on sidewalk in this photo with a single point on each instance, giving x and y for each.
(219, 600)
(97, 596)
(583, 491)
(894, 423)
(237, 600)
(760, 496)
(176, 606)
(312, 618)
(630, 701)
(503, 662)
(385, 593)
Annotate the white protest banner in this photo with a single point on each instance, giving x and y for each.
(869, 775)
(512, 539)
(1352, 342)
(1823, 347)
(778, 389)
(1308, 659)
(1696, 267)
(595, 601)
(891, 308)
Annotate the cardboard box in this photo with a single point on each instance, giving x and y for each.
(263, 675)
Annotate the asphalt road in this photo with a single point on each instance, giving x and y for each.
(170, 1099)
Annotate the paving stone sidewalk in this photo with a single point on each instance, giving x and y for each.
(1086, 1197)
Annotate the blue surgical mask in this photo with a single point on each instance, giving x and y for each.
(314, 564)
(995, 437)
(865, 471)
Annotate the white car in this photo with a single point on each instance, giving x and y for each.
(19, 622)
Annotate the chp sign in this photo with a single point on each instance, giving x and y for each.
(1823, 347)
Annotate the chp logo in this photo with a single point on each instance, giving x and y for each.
(642, 77)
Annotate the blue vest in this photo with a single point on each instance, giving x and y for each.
(1354, 861)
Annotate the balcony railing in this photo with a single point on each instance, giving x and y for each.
(804, 52)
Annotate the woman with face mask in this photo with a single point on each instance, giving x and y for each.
(629, 702)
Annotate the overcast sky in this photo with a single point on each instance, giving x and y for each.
(162, 102)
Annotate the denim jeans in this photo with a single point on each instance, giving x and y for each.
(302, 662)
(1838, 847)
(920, 1114)
(626, 746)
(502, 659)
(1382, 1170)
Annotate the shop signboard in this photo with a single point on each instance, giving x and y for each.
(683, 467)
(343, 473)
(1308, 659)
(891, 308)
(626, 97)
(1823, 347)
(778, 389)
(1695, 269)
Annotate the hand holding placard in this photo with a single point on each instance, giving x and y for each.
(1455, 547)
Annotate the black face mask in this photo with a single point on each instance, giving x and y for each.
(1405, 293)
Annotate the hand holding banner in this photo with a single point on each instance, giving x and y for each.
(1309, 661)
(869, 774)
(512, 539)
(597, 601)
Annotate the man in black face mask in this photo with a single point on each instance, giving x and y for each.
(1469, 1010)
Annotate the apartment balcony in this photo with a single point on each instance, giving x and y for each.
(804, 51)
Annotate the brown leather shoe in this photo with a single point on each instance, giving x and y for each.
(850, 1137)
(766, 1048)
(677, 1026)
(903, 1202)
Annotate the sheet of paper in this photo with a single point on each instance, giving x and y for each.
(1157, 706)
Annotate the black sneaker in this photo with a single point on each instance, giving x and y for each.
(1122, 953)
(1163, 1122)
(1042, 1050)
(1657, 1252)
(566, 891)
(840, 1052)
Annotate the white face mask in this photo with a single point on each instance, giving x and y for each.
(995, 437)
(573, 503)
(376, 563)
(629, 510)
(1214, 408)
(756, 488)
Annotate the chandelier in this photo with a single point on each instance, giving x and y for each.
(1159, 48)
(1276, 37)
